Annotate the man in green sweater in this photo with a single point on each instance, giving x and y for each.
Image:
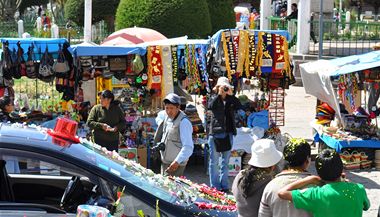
(335, 198)
(107, 120)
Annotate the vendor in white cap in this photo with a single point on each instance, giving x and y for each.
(175, 135)
(249, 184)
(221, 129)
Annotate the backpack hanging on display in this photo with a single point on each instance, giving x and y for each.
(31, 66)
(45, 71)
(61, 66)
(21, 60)
(16, 73)
(6, 62)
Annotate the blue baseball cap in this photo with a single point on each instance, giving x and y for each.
(172, 98)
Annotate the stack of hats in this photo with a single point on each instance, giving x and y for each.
(325, 114)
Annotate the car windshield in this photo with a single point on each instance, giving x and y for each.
(129, 171)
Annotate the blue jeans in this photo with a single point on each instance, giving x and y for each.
(218, 164)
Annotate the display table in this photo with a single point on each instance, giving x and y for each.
(338, 145)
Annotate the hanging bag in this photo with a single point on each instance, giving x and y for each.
(45, 72)
(16, 72)
(6, 63)
(223, 144)
(31, 65)
(118, 63)
(21, 61)
(61, 66)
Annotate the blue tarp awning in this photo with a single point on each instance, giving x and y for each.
(91, 49)
(39, 45)
(355, 63)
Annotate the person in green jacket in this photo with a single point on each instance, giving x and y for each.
(107, 120)
(336, 197)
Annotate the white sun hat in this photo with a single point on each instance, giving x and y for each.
(223, 81)
(264, 154)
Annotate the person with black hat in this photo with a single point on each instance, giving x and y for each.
(174, 136)
(107, 120)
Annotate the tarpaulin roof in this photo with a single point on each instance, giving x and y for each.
(355, 63)
(91, 49)
(316, 76)
(39, 45)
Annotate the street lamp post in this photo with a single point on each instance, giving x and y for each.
(320, 53)
(87, 20)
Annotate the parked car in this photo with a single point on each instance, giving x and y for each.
(43, 175)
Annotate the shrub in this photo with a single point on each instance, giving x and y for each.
(222, 14)
(101, 10)
(172, 18)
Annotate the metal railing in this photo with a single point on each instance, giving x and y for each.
(73, 34)
(339, 38)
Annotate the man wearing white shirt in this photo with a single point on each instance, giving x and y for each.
(176, 134)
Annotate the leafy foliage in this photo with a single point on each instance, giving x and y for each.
(101, 10)
(222, 14)
(28, 3)
(172, 18)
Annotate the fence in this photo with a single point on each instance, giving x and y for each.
(339, 38)
(73, 34)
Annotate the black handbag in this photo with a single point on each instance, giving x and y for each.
(222, 144)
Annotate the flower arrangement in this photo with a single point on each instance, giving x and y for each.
(186, 191)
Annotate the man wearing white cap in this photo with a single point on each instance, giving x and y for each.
(249, 184)
(221, 129)
(175, 133)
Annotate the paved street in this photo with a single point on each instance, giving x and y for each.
(300, 110)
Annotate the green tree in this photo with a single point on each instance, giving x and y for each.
(222, 14)
(172, 18)
(101, 10)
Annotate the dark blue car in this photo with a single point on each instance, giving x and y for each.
(42, 175)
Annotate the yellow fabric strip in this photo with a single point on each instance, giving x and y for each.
(243, 51)
(226, 57)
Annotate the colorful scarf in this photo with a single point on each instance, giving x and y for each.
(167, 77)
(265, 53)
(279, 62)
(175, 64)
(250, 63)
(155, 68)
(228, 53)
(243, 52)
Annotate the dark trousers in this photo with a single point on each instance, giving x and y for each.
(109, 145)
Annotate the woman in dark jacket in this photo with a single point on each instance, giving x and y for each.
(107, 120)
(221, 129)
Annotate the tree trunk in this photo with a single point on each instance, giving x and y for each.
(52, 12)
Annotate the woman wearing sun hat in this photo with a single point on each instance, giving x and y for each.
(249, 184)
(221, 128)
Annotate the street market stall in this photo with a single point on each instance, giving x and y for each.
(257, 61)
(35, 63)
(343, 86)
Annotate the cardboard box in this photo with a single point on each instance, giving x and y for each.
(142, 156)
(234, 166)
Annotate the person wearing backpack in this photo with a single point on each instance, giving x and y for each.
(174, 138)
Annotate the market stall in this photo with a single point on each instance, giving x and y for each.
(35, 63)
(140, 76)
(344, 119)
(258, 65)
